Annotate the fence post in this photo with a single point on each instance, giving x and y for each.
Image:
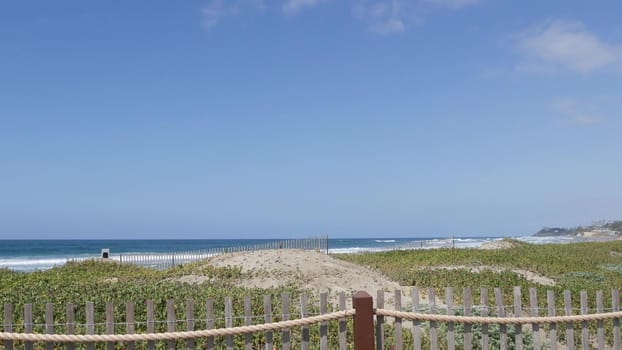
(363, 321)
(327, 244)
(8, 324)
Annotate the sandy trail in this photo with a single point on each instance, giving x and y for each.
(319, 272)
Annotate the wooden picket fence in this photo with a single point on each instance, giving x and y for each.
(170, 259)
(542, 325)
(419, 321)
(217, 313)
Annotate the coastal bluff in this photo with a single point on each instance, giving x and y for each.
(598, 229)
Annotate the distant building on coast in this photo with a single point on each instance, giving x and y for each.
(600, 228)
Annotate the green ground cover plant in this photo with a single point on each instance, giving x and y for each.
(574, 267)
(98, 282)
(590, 267)
(587, 266)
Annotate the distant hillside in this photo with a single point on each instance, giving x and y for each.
(616, 226)
(613, 228)
(556, 231)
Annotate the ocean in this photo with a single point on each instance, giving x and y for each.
(31, 255)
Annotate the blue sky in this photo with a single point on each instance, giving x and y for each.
(258, 118)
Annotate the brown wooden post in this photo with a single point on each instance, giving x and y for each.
(363, 321)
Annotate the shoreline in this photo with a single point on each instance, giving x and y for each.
(13, 259)
(591, 267)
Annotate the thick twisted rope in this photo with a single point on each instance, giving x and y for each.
(497, 320)
(83, 338)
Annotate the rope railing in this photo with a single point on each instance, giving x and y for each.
(497, 320)
(422, 311)
(155, 322)
(85, 338)
(232, 331)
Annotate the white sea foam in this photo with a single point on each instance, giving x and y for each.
(550, 239)
(353, 250)
(471, 242)
(24, 264)
(33, 263)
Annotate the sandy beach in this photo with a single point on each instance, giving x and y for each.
(310, 270)
(319, 272)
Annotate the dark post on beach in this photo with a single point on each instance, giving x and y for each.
(363, 321)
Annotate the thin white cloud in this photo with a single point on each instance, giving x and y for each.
(452, 4)
(381, 16)
(292, 7)
(576, 113)
(565, 45)
(386, 16)
(585, 120)
(393, 16)
(391, 25)
(215, 11)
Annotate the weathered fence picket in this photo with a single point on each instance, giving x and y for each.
(449, 301)
(110, 323)
(468, 300)
(343, 341)
(229, 321)
(380, 320)
(569, 325)
(151, 323)
(248, 320)
(267, 310)
(518, 312)
(535, 327)
(171, 322)
(305, 329)
(433, 324)
(190, 323)
(599, 324)
(323, 325)
(503, 336)
(70, 324)
(8, 324)
(285, 334)
(90, 323)
(416, 331)
(484, 305)
(439, 334)
(130, 327)
(28, 325)
(550, 301)
(397, 324)
(209, 306)
(585, 332)
(49, 324)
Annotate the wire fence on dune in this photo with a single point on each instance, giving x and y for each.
(170, 259)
